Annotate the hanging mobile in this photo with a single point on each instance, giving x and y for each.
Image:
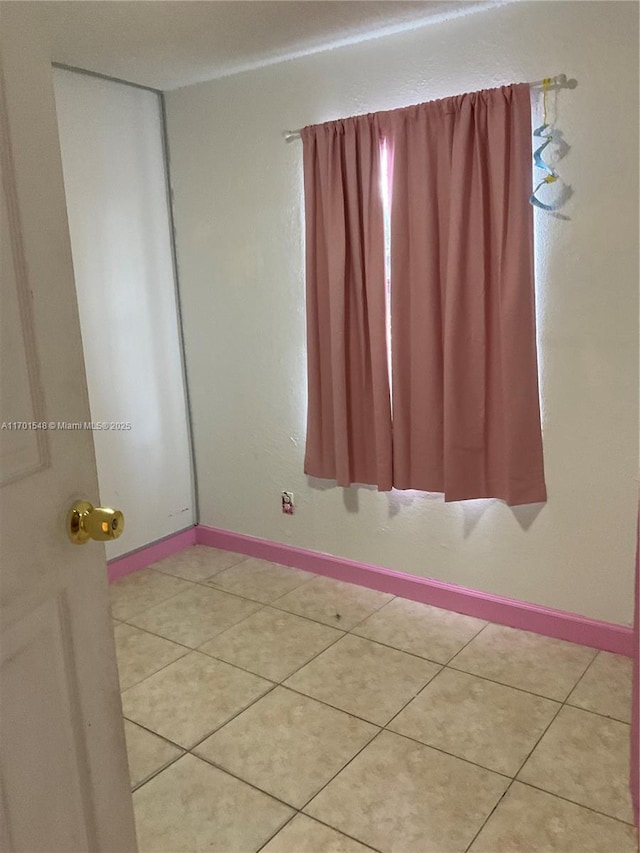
(544, 132)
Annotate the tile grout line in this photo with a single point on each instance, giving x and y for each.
(381, 728)
(199, 646)
(365, 844)
(327, 624)
(192, 580)
(528, 756)
(187, 650)
(554, 793)
(152, 732)
(248, 598)
(307, 662)
(396, 649)
(159, 573)
(204, 654)
(235, 776)
(326, 577)
(432, 679)
(189, 750)
(373, 612)
(514, 777)
(324, 823)
(208, 580)
(123, 619)
(297, 810)
(230, 719)
(451, 665)
(329, 705)
(406, 705)
(337, 773)
(461, 757)
(561, 704)
(278, 683)
(278, 831)
(450, 754)
(157, 772)
(576, 803)
(468, 643)
(312, 576)
(488, 817)
(503, 684)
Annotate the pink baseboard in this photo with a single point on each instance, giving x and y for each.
(472, 602)
(493, 608)
(143, 557)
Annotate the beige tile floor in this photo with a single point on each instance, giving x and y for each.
(271, 709)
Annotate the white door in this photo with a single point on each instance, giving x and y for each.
(63, 774)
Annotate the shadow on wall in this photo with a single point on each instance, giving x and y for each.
(473, 511)
(350, 495)
(397, 500)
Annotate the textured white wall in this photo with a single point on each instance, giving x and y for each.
(238, 199)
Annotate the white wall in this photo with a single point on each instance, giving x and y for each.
(112, 155)
(238, 204)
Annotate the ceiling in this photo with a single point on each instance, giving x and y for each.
(170, 44)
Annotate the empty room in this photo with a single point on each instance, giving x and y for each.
(319, 426)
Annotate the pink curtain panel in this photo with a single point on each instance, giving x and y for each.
(465, 405)
(349, 409)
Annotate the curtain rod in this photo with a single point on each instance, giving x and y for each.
(558, 82)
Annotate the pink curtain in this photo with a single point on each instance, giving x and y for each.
(349, 411)
(466, 418)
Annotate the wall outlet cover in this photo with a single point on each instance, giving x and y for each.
(287, 503)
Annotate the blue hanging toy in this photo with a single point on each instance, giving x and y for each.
(544, 132)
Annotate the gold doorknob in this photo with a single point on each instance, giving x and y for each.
(85, 522)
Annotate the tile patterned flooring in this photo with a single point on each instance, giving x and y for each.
(270, 709)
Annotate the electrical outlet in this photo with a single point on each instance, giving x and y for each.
(287, 503)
